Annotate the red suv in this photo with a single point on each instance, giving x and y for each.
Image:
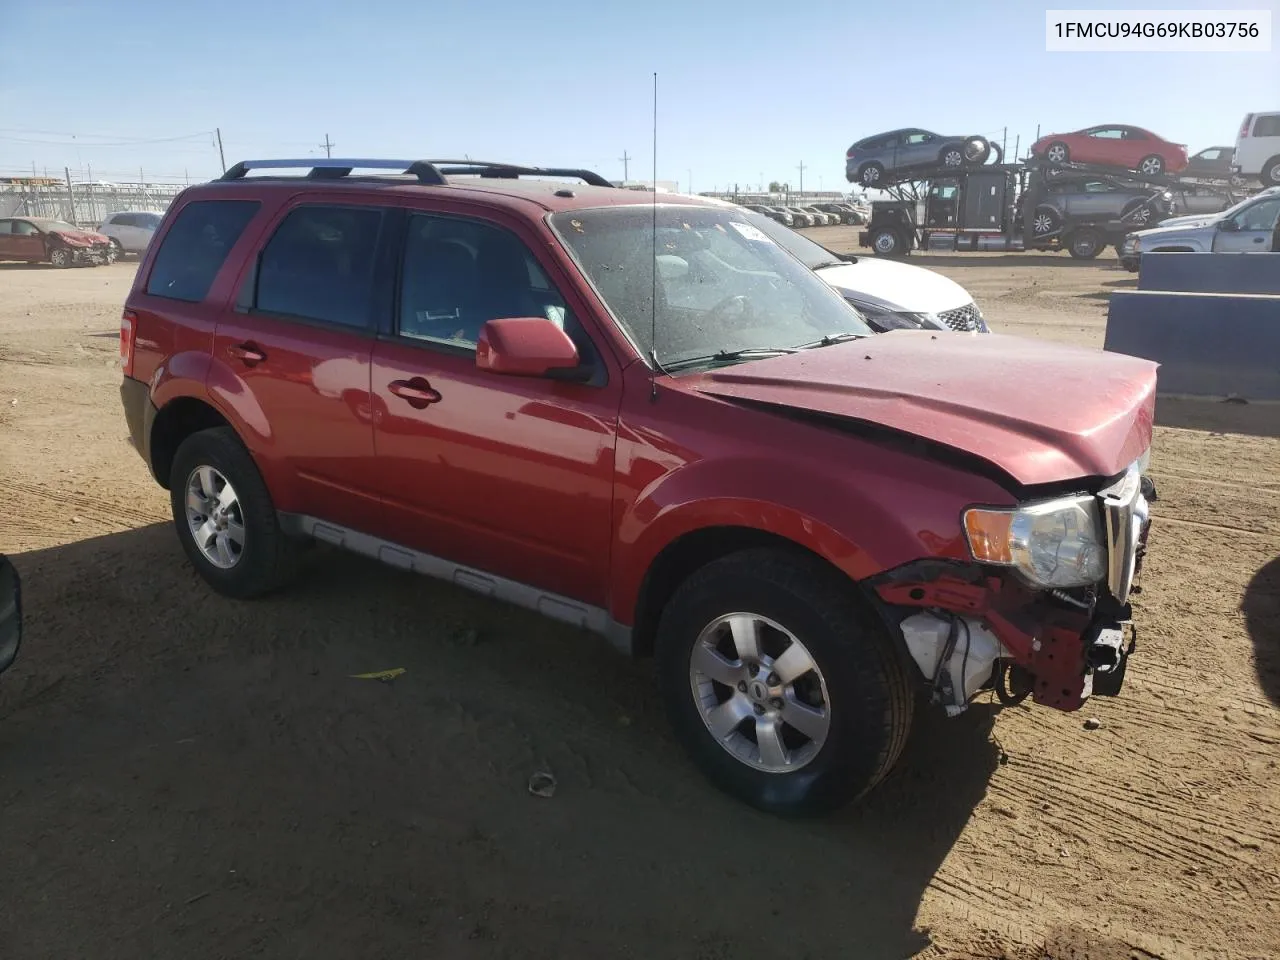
(643, 417)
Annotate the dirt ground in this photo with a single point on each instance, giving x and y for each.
(185, 776)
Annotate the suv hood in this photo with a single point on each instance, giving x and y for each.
(1189, 220)
(895, 286)
(1040, 412)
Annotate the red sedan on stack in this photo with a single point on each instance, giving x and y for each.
(1114, 146)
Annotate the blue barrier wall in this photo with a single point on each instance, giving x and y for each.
(1207, 344)
(1210, 272)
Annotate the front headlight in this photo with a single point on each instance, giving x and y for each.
(1056, 544)
(885, 320)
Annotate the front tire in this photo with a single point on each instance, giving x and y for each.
(60, 257)
(887, 243)
(785, 691)
(225, 518)
(1057, 153)
(1085, 244)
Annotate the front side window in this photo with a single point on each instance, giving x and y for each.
(319, 263)
(195, 247)
(722, 285)
(1261, 216)
(458, 274)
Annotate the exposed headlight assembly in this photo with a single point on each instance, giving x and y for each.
(1056, 544)
(883, 320)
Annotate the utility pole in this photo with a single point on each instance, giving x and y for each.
(71, 198)
(626, 170)
(801, 169)
(221, 159)
(690, 172)
(328, 146)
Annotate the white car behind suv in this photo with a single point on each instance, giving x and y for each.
(1258, 148)
(130, 230)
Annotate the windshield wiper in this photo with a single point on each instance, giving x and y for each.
(828, 263)
(728, 356)
(828, 341)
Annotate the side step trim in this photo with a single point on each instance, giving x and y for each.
(552, 605)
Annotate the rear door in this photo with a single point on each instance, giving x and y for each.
(298, 343)
(504, 474)
(1259, 141)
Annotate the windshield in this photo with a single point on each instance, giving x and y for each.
(811, 254)
(722, 284)
(51, 225)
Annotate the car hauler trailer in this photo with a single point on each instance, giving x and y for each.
(1013, 206)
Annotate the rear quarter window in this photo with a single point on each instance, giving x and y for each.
(196, 246)
(1268, 126)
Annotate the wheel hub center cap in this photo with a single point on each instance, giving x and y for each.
(758, 691)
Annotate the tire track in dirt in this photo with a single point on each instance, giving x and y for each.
(43, 513)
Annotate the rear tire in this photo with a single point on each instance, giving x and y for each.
(853, 677)
(871, 174)
(205, 465)
(1271, 173)
(1152, 166)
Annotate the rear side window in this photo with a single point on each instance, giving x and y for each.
(196, 246)
(319, 265)
(1268, 126)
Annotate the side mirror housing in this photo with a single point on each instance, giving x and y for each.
(1228, 226)
(525, 347)
(10, 613)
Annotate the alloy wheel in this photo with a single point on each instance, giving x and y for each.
(759, 692)
(214, 517)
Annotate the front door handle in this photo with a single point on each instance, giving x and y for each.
(416, 392)
(247, 353)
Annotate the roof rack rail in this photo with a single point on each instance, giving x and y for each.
(427, 171)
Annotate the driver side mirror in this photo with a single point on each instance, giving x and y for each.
(10, 613)
(1228, 226)
(526, 347)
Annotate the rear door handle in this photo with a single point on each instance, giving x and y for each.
(247, 353)
(416, 392)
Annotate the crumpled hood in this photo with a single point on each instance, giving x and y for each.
(80, 238)
(1041, 412)
(896, 286)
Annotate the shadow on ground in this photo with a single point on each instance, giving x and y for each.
(1262, 618)
(183, 775)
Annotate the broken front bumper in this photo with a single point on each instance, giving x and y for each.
(969, 627)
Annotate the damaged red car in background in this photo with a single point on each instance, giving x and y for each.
(39, 240)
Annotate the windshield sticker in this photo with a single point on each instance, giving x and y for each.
(749, 232)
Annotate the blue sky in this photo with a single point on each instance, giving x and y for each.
(746, 89)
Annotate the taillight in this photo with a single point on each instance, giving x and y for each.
(850, 153)
(128, 331)
(1244, 127)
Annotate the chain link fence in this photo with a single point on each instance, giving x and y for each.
(83, 204)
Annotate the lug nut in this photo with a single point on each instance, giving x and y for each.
(758, 709)
(742, 686)
(774, 679)
(776, 703)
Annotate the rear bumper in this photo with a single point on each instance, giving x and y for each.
(140, 414)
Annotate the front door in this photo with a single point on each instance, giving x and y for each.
(26, 242)
(1254, 228)
(299, 343)
(508, 475)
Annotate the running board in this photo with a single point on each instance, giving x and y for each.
(551, 605)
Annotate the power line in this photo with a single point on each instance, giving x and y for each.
(95, 140)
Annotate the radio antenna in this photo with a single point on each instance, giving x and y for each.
(653, 293)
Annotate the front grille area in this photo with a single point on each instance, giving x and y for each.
(962, 318)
